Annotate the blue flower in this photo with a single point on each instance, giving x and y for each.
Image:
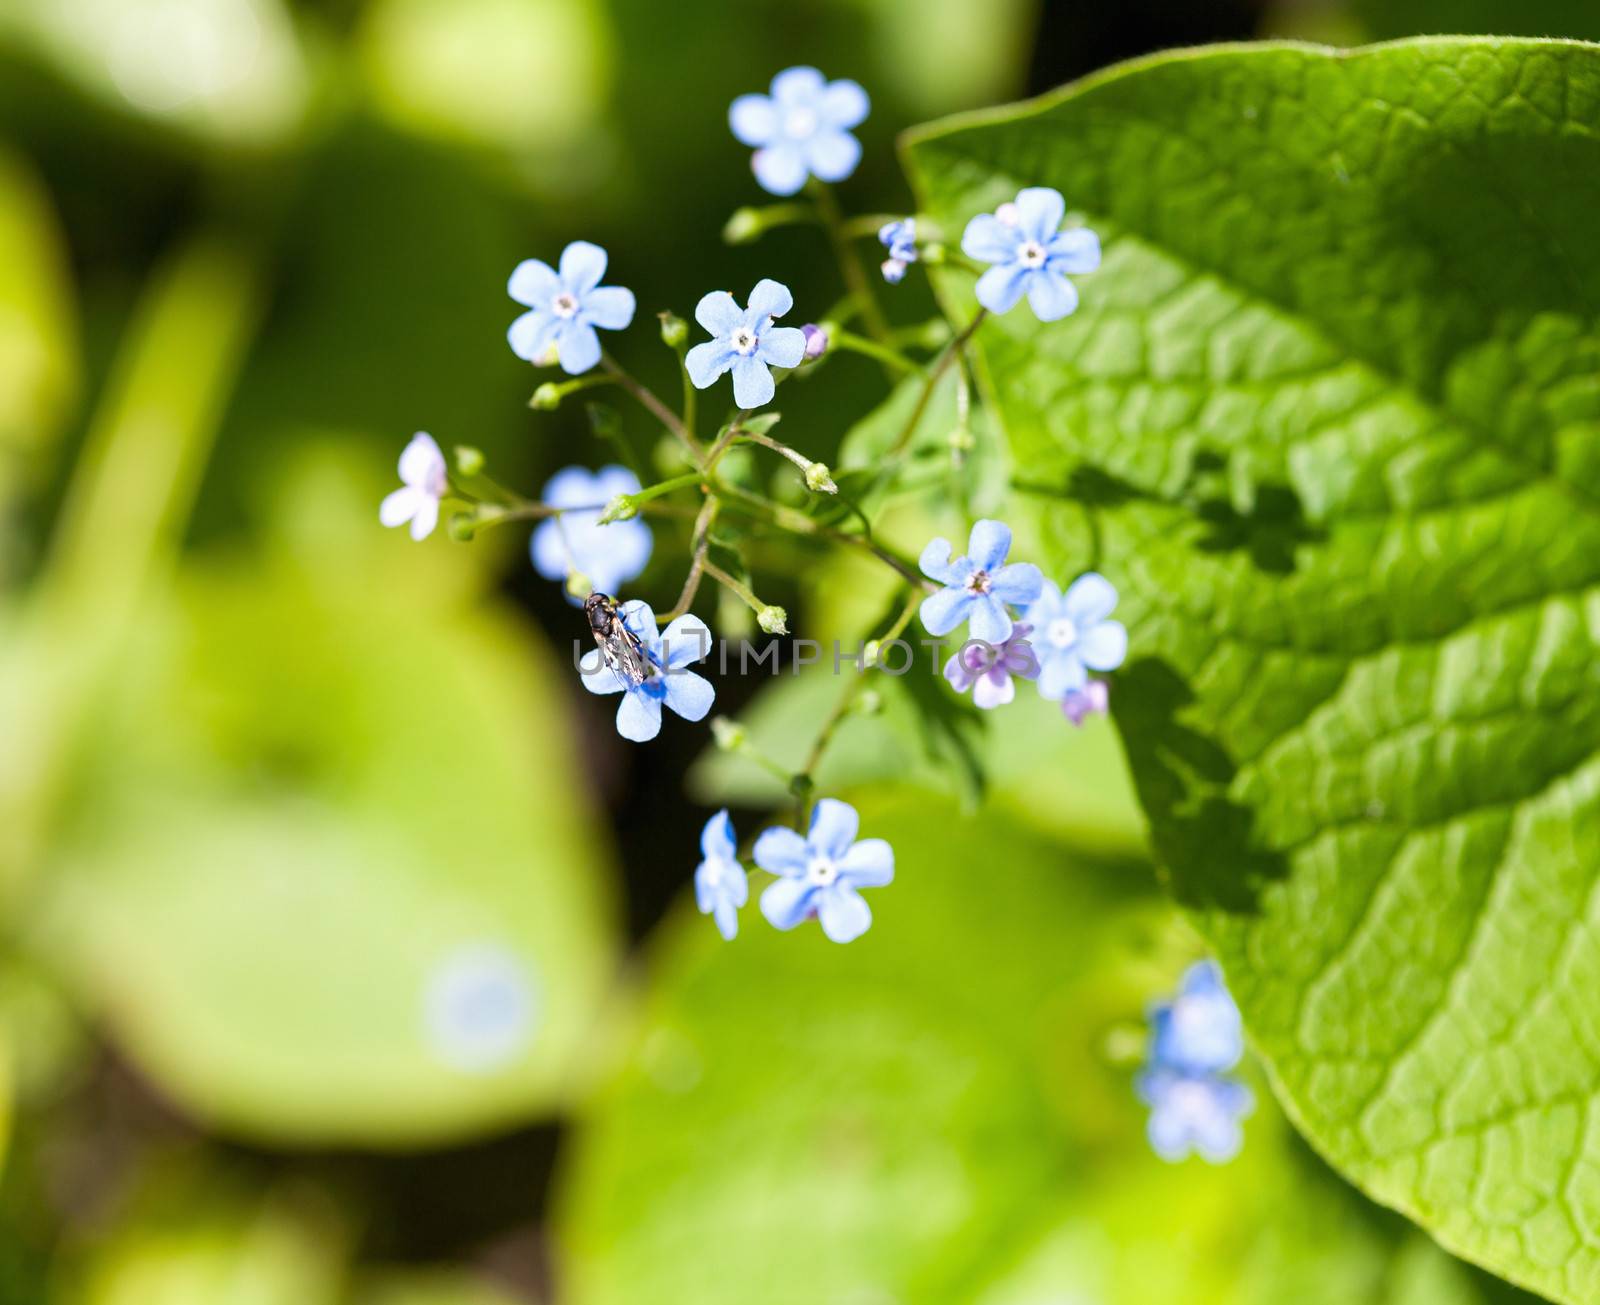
(686, 640)
(978, 585)
(1199, 1031)
(721, 885)
(801, 129)
(820, 873)
(565, 307)
(1031, 254)
(1200, 1113)
(900, 238)
(609, 555)
(1073, 635)
(746, 342)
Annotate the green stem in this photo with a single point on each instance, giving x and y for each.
(848, 340)
(941, 364)
(855, 278)
(869, 224)
(701, 543)
(735, 587)
(652, 404)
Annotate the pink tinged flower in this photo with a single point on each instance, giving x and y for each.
(1093, 699)
(987, 669)
(424, 480)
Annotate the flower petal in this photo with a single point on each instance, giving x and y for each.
(609, 307)
(638, 717)
(572, 487)
(638, 617)
(943, 611)
(781, 851)
(534, 283)
(399, 507)
(530, 335)
(422, 463)
(549, 552)
(935, 563)
(1051, 295)
(1046, 607)
(844, 104)
(689, 695)
(726, 914)
(578, 346)
(989, 240)
(753, 385)
(958, 673)
(1039, 212)
(717, 839)
(988, 620)
(1089, 599)
(769, 299)
(425, 518)
(832, 155)
(1017, 584)
(843, 913)
(719, 313)
(582, 266)
(988, 544)
(781, 169)
(782, 346)
(1062, 671)
(1076, 250)
(834, 825)
(1103, 647)
(597, 677)
(753, 119)
(868, 864)
(797, 87)
(787, 902)
(1000, 288)
(685, 641)
(993, 690)
(706, 362)
(616, 553)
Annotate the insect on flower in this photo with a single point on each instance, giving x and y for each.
(619, 646)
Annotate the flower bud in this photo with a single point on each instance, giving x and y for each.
(463, 525)
(674, 330)
(579, 585)
(469, 461)
(818, 481)
(774, 620)
(729, 735)
(894, 271)
(620, 508)
(742, 227)
(547, 398)
(816, 340)
(869, 654)
(934, 253)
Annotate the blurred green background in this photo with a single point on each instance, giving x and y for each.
(344, 948)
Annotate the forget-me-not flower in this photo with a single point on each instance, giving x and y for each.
(565, 307)
(721, 885)
(1199, 1030)
(1074, 634)
(978, 585)
(670, 651)
(1030, 254)
(1195, 1038)
(1094, 699)
(821, 873)
(987, 669)
(900, 239)
(609, 555)
(424, 479)
(802, 129)
(746, 342)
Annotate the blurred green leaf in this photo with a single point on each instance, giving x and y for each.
(927, 1114)
(1330, 417)
(427, 1287)
(330, 878)
(1386, 19)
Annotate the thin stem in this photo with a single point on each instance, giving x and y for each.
(855, 278)
(883, 353)
(941, 364)
(725, 440)
(869, 224)
(701, 542)
(642, 496)
(648, 398)
(777, 446)
(736, 587)
(841, 709)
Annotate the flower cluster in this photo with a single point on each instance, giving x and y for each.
(900, 239)
(818, 875)
(1195, 1039)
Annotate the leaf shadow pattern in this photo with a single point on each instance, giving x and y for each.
(1202, 838)
(1268, 534)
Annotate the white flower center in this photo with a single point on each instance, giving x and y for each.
(564, 304)
(821, 872)
(978, 582)
(1031, 254)
(799, 124)
(1062, 632)
(744, 341)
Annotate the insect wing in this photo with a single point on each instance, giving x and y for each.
(624, 654)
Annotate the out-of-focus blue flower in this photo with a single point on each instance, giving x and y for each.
(1199, 1031)
(609, 555)
(821, 873)
(1194, 1113)
(1094, 699)
(565, 307)
(978, 585)
(721, 885)
(987, 670)
(900, 238)
(424, 479)
(1074, 633)
(671, 651)
(1030, 254)
(802, 129)
(745, 342)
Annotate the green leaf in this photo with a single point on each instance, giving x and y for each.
(1336, 395)
(1384, 19)
(931, 1107)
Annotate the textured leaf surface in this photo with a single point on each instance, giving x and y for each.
(1330, 415)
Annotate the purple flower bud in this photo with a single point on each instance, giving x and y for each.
(816, 341)
(1091, 700)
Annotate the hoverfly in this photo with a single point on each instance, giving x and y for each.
(619, 646)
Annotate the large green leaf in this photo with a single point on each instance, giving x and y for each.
(927, 1114)
(1330, 416)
